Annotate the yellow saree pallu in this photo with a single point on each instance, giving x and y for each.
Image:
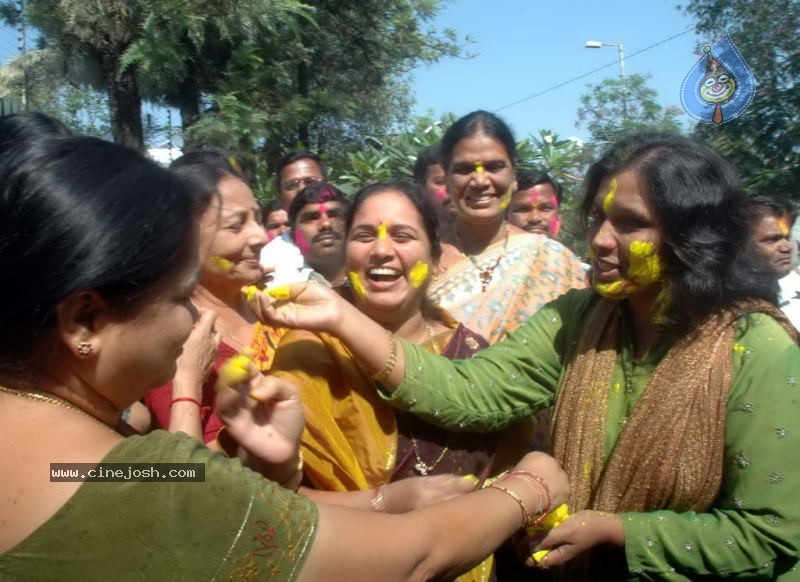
(350, 440)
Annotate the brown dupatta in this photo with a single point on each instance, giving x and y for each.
(670, 452)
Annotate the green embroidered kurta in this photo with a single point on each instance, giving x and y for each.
(234, 526)
(753, 529)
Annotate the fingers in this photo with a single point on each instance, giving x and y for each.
(270, 388)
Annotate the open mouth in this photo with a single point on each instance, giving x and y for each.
(383, 275)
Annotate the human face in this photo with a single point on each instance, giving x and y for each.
(277, 223)
(435, 189)
(389, 260)
(480, 178)
(138, 348)
(625, 239)
(297, 176)
(232, 234)
(536, 210)
(771, 238)
(318, 231)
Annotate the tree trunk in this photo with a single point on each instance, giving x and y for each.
(124, 100)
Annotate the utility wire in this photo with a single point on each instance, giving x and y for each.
(593, 71)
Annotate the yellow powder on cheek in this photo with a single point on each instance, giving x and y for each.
(609, 198)
(418, 274)
(222, 263)
(646, 267)
(356, 284)
(506, 198)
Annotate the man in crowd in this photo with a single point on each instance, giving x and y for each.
(281, 257)
(534, 205)
(317, 215)
(429, 175)
(771, 219)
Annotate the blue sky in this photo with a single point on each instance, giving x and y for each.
(523, 47)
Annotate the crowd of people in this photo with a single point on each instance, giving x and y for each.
(406, 383)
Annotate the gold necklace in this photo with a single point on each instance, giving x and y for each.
(54, 401)
(434, 344)
(485, 274)
(421, 467)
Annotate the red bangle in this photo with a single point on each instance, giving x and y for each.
(186, 399)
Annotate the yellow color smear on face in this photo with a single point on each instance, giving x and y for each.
(610, 289)
(382, 234)
(419, 273)
(222, 263)
(506, 199)
(356, 284)
(479, 166)
(646, 267)
(234, 371)
(609, 198)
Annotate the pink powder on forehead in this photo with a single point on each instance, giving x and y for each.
(323, 209)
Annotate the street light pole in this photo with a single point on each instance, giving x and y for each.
(621, 53)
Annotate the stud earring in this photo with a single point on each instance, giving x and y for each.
(85, 348)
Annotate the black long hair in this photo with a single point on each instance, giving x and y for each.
(477, 122)
(699, 204)
(79, 213)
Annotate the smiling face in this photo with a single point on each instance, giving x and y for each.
(480, 178)
(231, 235)
(773, 244)
(318, 232)
(389, 255)
(536, 210)
(276, 223)
(625, 239)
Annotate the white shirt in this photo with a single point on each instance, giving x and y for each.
(789, 297)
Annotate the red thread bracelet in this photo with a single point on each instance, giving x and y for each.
(186, 399)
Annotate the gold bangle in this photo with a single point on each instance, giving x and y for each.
(390, 362)
(526, 516)
(378, 503)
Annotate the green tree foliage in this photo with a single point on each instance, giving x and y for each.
(612, 109)
(256, 76)
(762, 142)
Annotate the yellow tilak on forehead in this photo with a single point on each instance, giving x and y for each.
(418, 274)
(382, 231)
(479, 166)
(609, 198)
(356, 284)
(783, 223)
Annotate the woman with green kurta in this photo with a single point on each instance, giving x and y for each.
(674, 379)
(99, 245)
